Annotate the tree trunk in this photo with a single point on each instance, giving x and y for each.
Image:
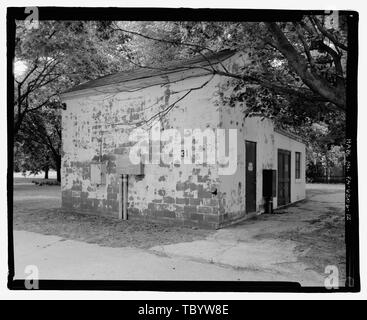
(58, 169)
(46, 172)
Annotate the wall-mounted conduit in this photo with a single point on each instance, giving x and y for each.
(123, 197)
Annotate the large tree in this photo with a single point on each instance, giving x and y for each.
(40, 144)
(57, 56)
(54, 57)
(296, 71)
(304, 59)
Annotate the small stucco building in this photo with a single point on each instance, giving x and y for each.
(100, 116)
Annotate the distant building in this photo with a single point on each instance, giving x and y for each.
(101, 115)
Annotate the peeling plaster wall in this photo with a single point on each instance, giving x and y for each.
(96, 126)
(174, 193)
(232, 189)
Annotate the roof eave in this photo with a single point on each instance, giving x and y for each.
(76, 92)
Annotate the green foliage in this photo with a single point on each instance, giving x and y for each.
(295, 73)
(58, 55)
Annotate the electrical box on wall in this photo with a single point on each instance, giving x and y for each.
(269, 183)
(125, 166)
(98, 173)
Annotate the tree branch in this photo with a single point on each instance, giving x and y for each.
(329, 35)
(298, 63)
(174, 42)
(165, 111)
(304, 43)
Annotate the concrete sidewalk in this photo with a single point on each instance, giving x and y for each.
(212, 259)
(61, 259)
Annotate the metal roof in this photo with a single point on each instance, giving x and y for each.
(197, 62)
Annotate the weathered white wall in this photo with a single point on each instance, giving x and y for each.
(174, 192)
(169, 192)
(232, 188)
(255, 129)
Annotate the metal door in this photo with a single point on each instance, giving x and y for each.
(250, 176)
(284, 177)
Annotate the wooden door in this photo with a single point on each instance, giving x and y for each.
(250, 176)
(284, 177)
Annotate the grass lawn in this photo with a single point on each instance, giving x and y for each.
(37, 209)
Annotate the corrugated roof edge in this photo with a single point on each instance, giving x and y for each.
(140, 73)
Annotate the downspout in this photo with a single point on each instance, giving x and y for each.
(123, 197)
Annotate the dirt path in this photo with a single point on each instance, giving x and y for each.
(296, 244)
(315, 225)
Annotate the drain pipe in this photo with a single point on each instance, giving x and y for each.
(123, 197)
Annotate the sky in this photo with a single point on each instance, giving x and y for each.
(19, 68)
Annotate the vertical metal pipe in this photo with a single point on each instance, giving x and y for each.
(124, 196)
(120, 197)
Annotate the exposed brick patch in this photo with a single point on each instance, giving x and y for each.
(162, 192)
(157, 200)
(203, 179)
(162, 206)
(77, 186)
(111, 196)
(211, 218)
(75, 194)
(211, 202)
(184, 215)
(193, 186)
(183, 201)
(169, 214)
(197, 216)
(86, 173)
(179, 209)
(203, 193)
(190, 209)
(152, 206)
(188, 195)
(119, 151)
(168, 200)
(195, 201)
(109, 157)
(215, 210)
(79, 164)
(180, 186)
(164, 165)
(134, 211)
(202, 209)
